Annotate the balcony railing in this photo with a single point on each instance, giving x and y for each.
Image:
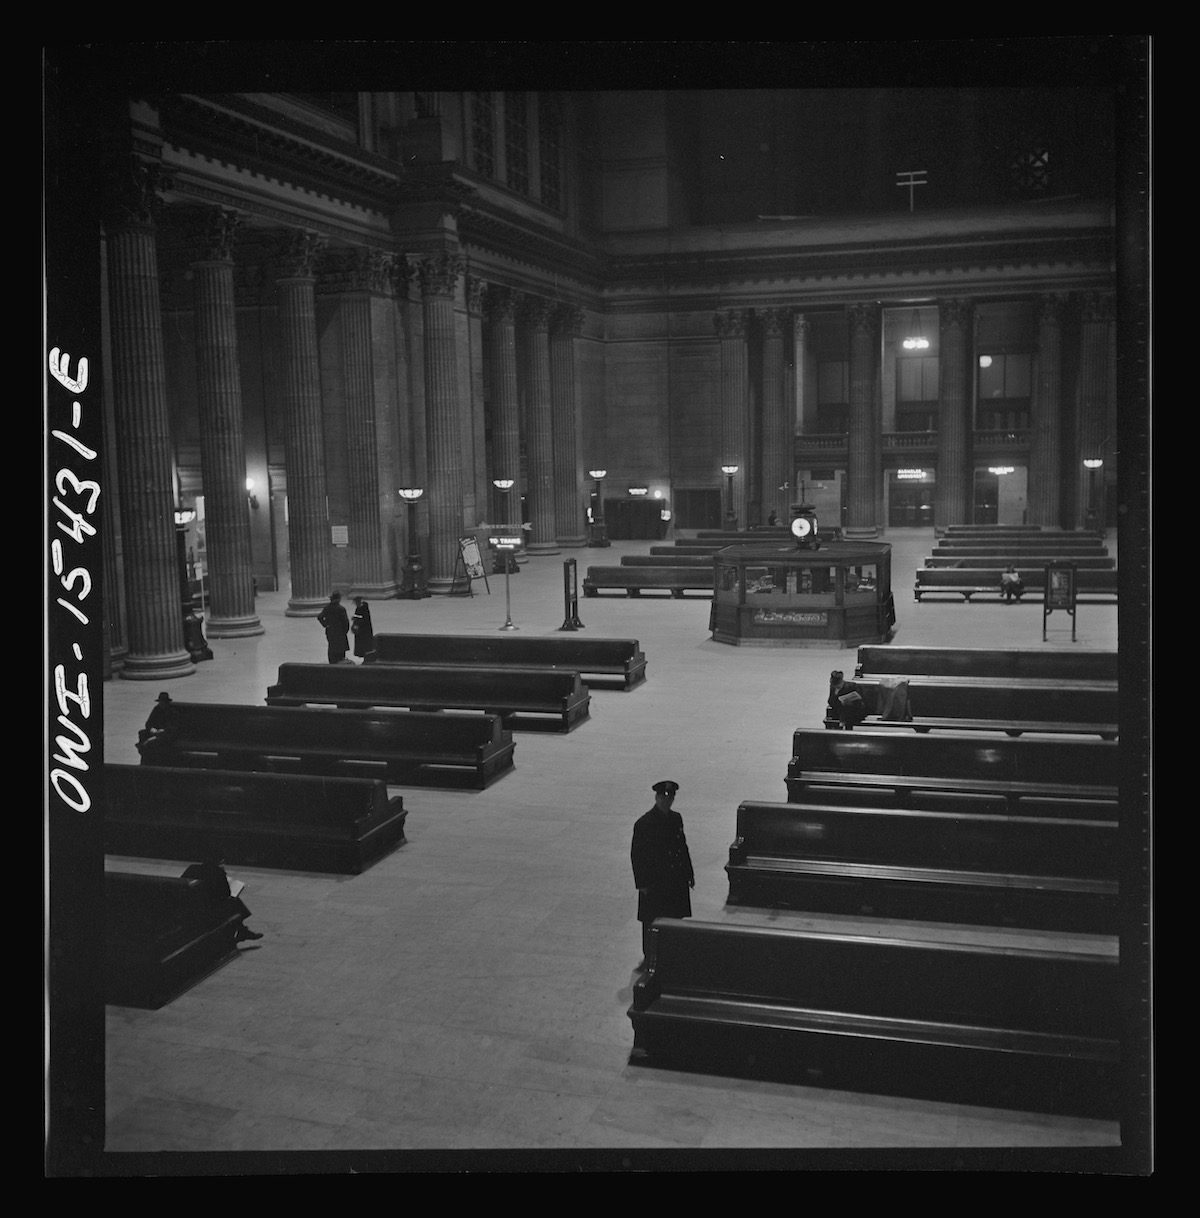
(1002, 440)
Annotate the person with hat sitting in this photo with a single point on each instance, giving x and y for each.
(662, 865)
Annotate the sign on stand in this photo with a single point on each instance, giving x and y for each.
(472, 564)
(1059, 593)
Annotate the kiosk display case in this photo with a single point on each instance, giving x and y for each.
(836, 595)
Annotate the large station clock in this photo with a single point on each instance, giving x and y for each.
(804, 529)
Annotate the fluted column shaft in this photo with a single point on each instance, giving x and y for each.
(308, 511)
(506, 404)
(365, 278)
(477, 493)
(1092, 401)
(955, 482)
(222, 439)
(732, 328)
(439, 276)
(777, 421)
(799, 361)
(1045, 449)
(862, 465)
(146, 483)
(539, 419)
(568, 472)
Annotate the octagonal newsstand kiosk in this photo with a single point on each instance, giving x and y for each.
(836, 595)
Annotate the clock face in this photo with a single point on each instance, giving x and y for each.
(802, 526)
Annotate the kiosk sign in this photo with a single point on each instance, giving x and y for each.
(1059, 593)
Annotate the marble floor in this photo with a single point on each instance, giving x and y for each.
(462, 1003)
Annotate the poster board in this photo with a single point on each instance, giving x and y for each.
(472, 563)
(1060, 587)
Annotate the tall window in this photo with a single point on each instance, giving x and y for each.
(917, 393)
(516, 141)
(833, 396)
(550, 148)
(483, 134)
(1005, 389)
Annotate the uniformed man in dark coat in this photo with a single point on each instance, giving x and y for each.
(662, 866)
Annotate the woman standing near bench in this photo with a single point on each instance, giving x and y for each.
(360, 627)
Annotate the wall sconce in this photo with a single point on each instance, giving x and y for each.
(251, 497)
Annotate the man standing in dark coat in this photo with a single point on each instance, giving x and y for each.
(662, 866)
(337, 628)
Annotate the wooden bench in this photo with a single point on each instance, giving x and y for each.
(1032, 663)
(1097, 561)
(162, 934)
(1064, 543)
(1007, 530)
(592, 658)
(995, 704)
(302, 822)
(1064, 769)
(1021, 1028)
(984, 582)
(672, 558)
(985, 868)
(633, 581)
(537, 698)
(411, 748)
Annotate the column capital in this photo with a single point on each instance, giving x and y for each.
(1097, 307)
(774, 322)
(357, 270)
(864, 317)
(535, 311)
(132, 193)
(567, 320)
(438, 274)
(211, 232)
(501, 304)
(731, 323)
(955, 313)
(799, 325)
(297, 253)
(477, 292)
(1050, 306)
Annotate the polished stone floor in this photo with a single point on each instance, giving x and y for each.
(468, 993)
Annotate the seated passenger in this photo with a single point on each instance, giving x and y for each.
(845, 703)
(1011, 585)
(217, 885)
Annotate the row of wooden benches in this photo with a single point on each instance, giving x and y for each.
(1014, 832)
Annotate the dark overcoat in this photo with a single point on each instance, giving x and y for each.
(337, 629)
(661, 864)
(364, 634)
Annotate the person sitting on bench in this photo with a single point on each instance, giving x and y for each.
(1011, 585)
(218, 886)
(845, 702)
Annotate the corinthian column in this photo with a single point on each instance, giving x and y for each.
(568, 475)
(506, 402)
(777, 421)
(439, 275)
(144, 458)
(863, 473)
(535, 313)
(308, 513)
(222, 440)
(1045, 448)
(1092, 403)
(955, 485)
(731, 327)
(362, 280)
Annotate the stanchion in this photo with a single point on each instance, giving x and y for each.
(570, 596)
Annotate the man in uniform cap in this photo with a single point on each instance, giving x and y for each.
(662, 866)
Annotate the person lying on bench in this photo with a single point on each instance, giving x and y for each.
(1011, 585)
(218, 886)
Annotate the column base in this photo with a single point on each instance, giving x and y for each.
(375, 592)
(155, 668)
(234, 627)
(542, 549)
(573, 543)
(303, 607)
(443, 586)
